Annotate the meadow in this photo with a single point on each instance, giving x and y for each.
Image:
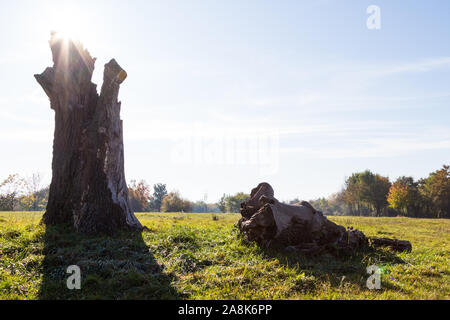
(200, 256)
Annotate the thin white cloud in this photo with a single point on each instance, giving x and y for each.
(397, 144)
(417, 66)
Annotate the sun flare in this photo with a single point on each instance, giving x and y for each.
(69, 24)
(67, 34)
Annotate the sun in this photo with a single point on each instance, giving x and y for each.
(68, 31)
(67, 23)
(61, 35)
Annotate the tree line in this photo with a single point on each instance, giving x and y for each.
(142, 200)
(28, 194)
(370, 194)
(363, 194)
(23, 194)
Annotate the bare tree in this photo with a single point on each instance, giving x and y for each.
(10, 191)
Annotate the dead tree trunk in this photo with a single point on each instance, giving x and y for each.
(88, 187)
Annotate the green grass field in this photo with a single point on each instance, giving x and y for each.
(199, 256)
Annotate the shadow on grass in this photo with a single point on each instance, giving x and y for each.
(112, 267)
(348, 266)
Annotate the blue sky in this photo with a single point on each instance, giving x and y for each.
(222, 95)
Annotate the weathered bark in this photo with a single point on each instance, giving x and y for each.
(252, 205)
(88, 187)
(300, 227)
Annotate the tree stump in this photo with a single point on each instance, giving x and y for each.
(300, 228)
(88, 187)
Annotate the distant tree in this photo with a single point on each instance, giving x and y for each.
(138, 195)
(437, 189)
(42, 198)
(36, 201)
(352, 193)
(24, 194)
(334, 205)
(294, 201)
(337, 204)
(379, 190)
(35, 197)
(426, 205)
(233, 203)
(212, 207)
(320, 204)
(10, 191)
(200, 206)
(159, 192)
(173, 202)
(398, 197)
(405, 197)
(203, 207)
(222, 204)
(365, 191)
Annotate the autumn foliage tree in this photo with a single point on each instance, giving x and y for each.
(138, 195)
(398, 197)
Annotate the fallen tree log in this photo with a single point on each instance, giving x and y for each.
(397, 245)
(300, 228)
